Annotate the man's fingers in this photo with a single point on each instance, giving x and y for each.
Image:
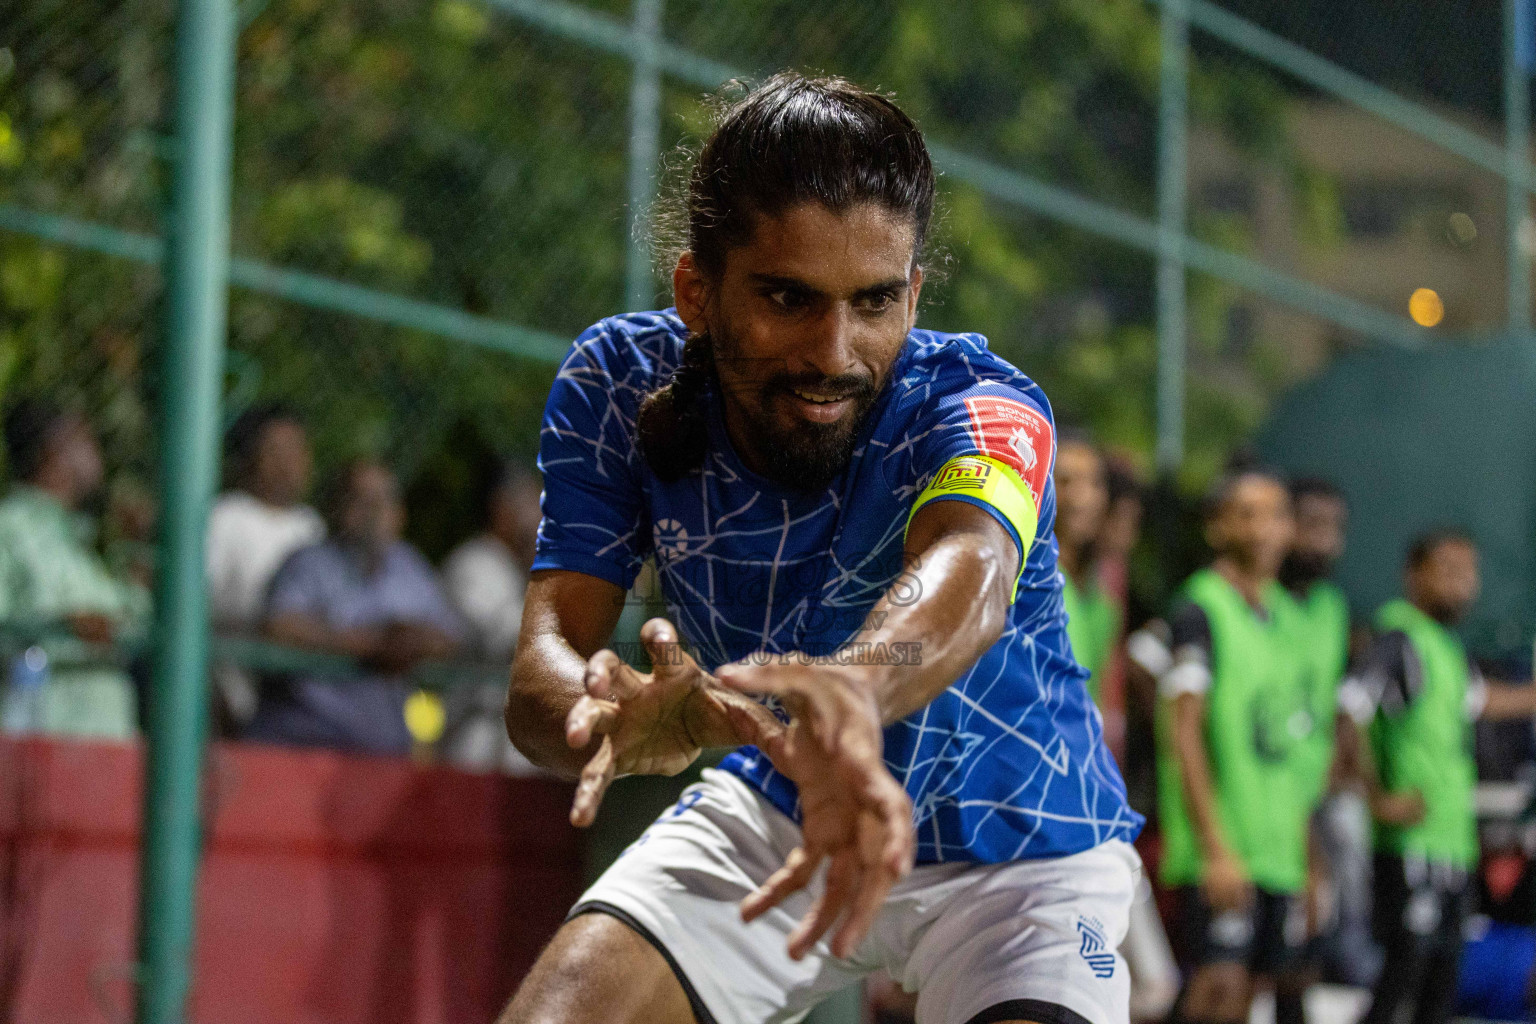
(668, 659)
(842, 883)
(589, 717)
(799, 867)
(595, 778)
(752, 722)
(609, 677)
(899, 847)
(885, 850)
(754, 679)
(874, 885)
(601, 668)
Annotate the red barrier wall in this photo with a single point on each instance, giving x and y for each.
(333, 890)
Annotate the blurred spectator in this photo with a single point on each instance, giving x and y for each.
(485, 577)
(1234, 824)
(1339, 869)
(1122, 526)
(262, 520)
(50, 573)
(1094, 621)
(1128, 726)
(253, 527)
(1414, 694)
(1082, 498)
(365, 594)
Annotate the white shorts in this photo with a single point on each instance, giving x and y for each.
(970, 939)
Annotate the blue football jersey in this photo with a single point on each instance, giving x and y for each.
(1007, 763)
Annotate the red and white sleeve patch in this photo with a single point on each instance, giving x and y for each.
(1014, 434)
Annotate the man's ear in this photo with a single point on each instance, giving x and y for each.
(914, 290)
(690, 294)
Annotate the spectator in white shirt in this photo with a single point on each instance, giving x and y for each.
(252, 529)
(485, 577)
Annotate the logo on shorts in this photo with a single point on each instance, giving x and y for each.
(1095, 948)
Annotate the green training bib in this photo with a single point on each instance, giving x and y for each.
(1321, 623)
(1429, 746)
(1093, 622)
(1256, 725)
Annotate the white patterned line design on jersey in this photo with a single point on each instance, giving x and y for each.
(1009, 761)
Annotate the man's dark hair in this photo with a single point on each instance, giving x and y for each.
(337, 487)
(791, 140)
(30, 425)
(1221, 492)
(1424, 546)
(1317, 487)
(497, 475)
(243, 438)
(1071, 433)
(1123, 482)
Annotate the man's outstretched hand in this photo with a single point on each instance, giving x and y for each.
(853, 811)
(654, 723)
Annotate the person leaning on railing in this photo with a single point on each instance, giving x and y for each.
(365, 594)
(485, 578)
(49, 570)
(253, 527)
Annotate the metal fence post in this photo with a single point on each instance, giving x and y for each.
(192, 358)
(644, 152)
(1519, 57)
(1172, 189)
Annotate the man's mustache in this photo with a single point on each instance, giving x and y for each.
(843, 385)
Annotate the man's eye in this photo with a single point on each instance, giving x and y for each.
(786, 298)
(877, 303)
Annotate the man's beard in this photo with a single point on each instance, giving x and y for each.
(807, 456)
(1448, 614)
(1301, 569)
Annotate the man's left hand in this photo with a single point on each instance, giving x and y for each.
(853, 811)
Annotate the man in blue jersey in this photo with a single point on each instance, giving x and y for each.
(851, 521)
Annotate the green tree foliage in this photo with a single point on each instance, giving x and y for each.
(445, 151)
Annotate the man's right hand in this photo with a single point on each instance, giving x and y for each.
(1227, 885)
(654, 723)
(1402, 808)
(92, 627)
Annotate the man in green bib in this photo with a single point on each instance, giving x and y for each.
(1082, 498)
(1094, 621)
(1231, 725)
(1416, 693)
(1320, 619)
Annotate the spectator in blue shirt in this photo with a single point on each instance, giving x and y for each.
(365, 594)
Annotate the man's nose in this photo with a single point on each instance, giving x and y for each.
(828, 345)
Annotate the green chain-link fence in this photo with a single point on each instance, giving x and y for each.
(430, 197)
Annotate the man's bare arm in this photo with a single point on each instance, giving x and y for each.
(1506, 701)
(578, 709)
(296, 629)
(1403, 807)
(951, 605)
(567, 618)
(1226, 881)
(1195, 775)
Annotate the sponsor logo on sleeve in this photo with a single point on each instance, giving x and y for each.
(1014, 434)
(962, 475)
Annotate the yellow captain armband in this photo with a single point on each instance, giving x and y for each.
(985, 481)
